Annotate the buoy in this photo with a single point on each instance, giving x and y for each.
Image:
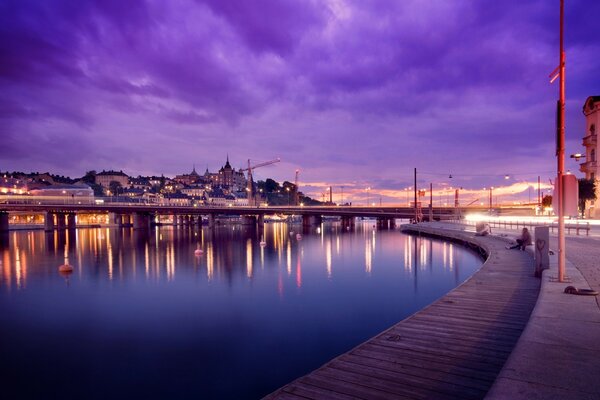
(198, 252)
(299, 236)
(65, 269)
(291, 233)
(263, 243)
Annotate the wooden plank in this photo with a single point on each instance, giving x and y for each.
(313, 392)
(391, 388)
(425, 365)
(431, 358)
(318, 379)
(415, 374)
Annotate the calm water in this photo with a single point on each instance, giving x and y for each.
(142, 316)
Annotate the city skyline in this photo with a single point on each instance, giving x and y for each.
(354, 94)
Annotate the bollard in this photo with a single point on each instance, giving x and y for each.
(542, 248)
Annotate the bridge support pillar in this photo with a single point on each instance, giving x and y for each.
(3, 222)
(311, 220)
(115, 219)
(392, 223)
(174, 219)
(61, 221)
(180, 220)
(260, 220)
(347, 222)
(71, 221)
(141, 220)
(49, 221)
(248, 220)
(212, 220)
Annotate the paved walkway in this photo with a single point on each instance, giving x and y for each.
(452, 349)
(558, 355)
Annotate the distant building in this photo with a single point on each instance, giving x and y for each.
(140, 183)
(188, 179)
(175, 199)
(104, 178)
(230, 179)
(79, 191)
(591, 110)
(196, 190)
(12, 186)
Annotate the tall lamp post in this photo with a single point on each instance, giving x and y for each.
(560, 148)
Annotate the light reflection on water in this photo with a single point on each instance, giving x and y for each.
(144, 315)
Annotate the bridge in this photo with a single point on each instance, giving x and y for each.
(142, 216)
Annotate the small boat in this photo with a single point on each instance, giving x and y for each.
(262, 242)
(198, 252)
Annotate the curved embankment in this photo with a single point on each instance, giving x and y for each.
(452, 349)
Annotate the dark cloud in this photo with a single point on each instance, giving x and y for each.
(347, 89)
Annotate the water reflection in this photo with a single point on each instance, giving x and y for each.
(149, 287)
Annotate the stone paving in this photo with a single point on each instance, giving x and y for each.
(584, 253)
(558, 354)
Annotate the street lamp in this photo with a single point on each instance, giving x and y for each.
(577, 156)
(288, 192)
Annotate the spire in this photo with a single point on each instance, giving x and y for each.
(227, 165)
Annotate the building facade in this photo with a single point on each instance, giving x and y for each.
(104, 178)
(591, 111)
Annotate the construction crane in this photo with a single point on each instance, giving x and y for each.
(297, 194)
(250, 188)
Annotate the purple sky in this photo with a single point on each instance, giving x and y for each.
(354, 93)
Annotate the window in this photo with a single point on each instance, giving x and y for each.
(593, 155)
(592, 129)
(592, 176)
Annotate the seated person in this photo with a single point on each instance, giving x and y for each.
(482, 229)
(523, 241)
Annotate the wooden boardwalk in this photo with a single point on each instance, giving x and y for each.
(453, 349)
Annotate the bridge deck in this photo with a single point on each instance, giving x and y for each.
(453, 349)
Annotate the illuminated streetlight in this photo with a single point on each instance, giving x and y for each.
(577, 156)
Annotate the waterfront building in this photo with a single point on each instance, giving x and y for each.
(175, 199)
(104, 178)
(81, 191)
(591, 111)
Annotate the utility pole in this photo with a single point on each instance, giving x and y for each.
(560, 149)
(416, 212)
(539, 194)
(431, 202)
